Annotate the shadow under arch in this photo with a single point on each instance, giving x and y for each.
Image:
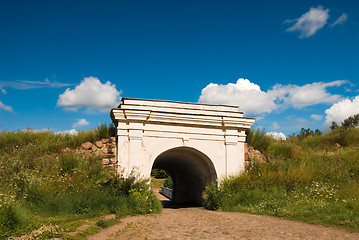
(190, 170)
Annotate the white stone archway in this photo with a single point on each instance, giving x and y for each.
(166, 134)
(191, 171)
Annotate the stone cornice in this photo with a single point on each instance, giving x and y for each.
(121, 115)
(187, 114)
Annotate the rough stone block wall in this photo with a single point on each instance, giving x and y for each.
(106, 148)
(252, 155)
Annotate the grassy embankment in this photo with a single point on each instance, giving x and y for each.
(313, 179)
(42, 186)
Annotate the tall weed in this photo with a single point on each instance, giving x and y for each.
(259, 140)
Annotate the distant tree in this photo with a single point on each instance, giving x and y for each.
(334, 126)
(352, 121)
(306, 132)
(317, 132)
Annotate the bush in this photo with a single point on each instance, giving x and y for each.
(212, 197)
(159, 173)
(13, 216)
(68, 162)
(168, 182)
(8, 218)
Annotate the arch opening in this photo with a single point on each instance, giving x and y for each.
(190, 170)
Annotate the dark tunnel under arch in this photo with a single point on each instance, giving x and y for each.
(190, 170)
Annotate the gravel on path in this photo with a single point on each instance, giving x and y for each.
(198, 223)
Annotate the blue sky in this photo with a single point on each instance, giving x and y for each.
(289, 64)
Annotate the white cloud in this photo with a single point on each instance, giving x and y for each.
(70, 132)
(36, 131)
(252, 100)
(3, 91)
(275, 126)
(276, 135)
(25, 84)
(310, 22)
(80, 123)
(247, 95)
(311, 94)
(5, 107)
(343, 18)
(316, 117)
(340, 111)
(90, 94)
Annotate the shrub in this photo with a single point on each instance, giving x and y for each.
(9, 220)
(159, 173)
(68, 162)
(13, 216)
(168, 182)
(211, 197)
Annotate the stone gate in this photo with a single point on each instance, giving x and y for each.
(196, 144)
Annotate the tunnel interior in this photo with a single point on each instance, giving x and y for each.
(190, 170)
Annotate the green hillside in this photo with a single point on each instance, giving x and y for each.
(311, 177)
(41, 185)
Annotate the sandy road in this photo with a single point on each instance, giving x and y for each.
(198, 223)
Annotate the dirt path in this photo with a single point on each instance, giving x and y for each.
(198, 223)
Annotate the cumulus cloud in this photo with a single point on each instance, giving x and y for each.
(90, 94)
(80, 123)
(252, 100)
(70, 132)
(247, 95)
(5, 107)
(36, 131)
(311, 94)
(340, 111)
(25, 84)
(277, 135)
(343, 18)
(310, 22)
(3, 91)
(316, 117)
